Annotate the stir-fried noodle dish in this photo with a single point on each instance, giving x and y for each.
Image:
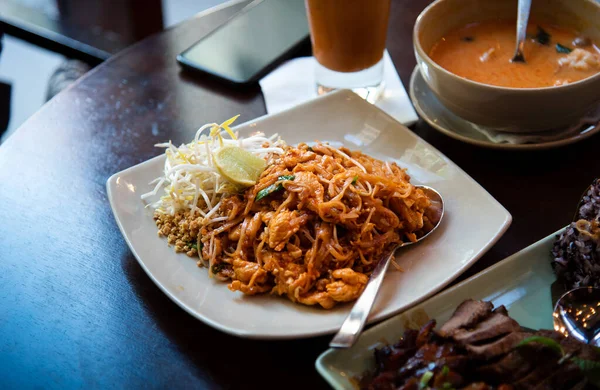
(306, 222)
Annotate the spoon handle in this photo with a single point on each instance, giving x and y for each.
(355, 322)
(522, 18)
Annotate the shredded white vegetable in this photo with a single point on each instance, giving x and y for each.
(190, 180)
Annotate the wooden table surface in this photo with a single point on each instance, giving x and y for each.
(76, 309)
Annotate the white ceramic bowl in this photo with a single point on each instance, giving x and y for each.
(503, 108)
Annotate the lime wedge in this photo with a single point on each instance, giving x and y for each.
(239, 166)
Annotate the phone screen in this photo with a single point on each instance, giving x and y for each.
(248, 43)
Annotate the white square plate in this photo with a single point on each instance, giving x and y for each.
(473, 222)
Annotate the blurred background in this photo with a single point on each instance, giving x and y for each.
(48, 44)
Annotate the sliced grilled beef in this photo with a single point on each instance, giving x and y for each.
(466, 314)
(477, 349)
(498, 347)
(501, 309)
(513, 365)
(494, 326)
(543, 369)
(565, 376)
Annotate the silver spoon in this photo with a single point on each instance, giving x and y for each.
(577, 314)
(355, 322)
(522, 18)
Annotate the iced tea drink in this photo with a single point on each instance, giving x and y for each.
(348, 40)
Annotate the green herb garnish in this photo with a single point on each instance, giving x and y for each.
(590, 369)
(547, 341)
(273, 187)
(447, 386)
(355, 179)
(563, 49)
(267, 191)
(425, 379)
(542, 36)
(445, 370)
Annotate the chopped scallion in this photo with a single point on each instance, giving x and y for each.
(423, 384)
(273, 187)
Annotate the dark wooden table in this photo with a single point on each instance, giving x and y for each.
(86, 30)
(76, 309)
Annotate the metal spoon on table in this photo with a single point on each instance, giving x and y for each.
(522, 18)
(355, 322)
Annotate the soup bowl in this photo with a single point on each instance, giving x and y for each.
(504, 108)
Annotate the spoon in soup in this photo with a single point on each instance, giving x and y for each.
(355, 322)
(522, 19)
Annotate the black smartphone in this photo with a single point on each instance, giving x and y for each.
(251, 43)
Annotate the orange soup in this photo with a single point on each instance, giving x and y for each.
(482, 52)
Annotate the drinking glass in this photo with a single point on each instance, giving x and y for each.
(348, 41)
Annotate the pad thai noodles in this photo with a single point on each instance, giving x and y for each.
(311, 228)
